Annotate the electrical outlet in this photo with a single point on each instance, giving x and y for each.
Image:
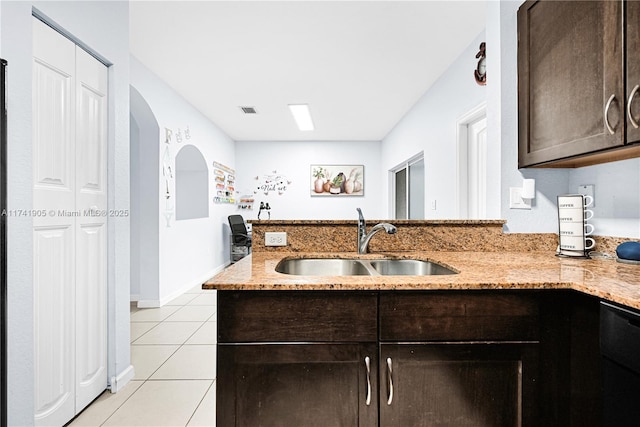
(516, 201)
(275, 238)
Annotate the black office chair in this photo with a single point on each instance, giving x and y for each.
(240, 238)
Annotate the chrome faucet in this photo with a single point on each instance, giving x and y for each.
(364, 238)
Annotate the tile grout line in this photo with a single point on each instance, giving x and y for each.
(155, 326)
(146, 379)
(201, 400)
(179, 346)
(120, 406)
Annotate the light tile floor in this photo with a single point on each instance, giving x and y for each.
(173, 353)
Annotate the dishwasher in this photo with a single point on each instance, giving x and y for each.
(620, 351)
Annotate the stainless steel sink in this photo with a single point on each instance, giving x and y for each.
(360, 267)
(408, 267)
(322, 267)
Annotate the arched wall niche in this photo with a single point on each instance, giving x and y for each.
(192, 184)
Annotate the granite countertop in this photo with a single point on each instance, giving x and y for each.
(324, 222)
(602, 278)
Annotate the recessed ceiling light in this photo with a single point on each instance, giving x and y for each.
(302, 116)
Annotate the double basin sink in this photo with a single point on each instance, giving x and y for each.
(360, 267)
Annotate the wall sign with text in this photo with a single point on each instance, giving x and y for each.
(272, 183)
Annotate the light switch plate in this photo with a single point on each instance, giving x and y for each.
(278, 238)
(587, 190)
(516, 201)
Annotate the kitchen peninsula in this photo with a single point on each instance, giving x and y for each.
(511, 339)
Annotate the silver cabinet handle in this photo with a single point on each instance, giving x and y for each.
(606, 114)
(367, 363)
(390, 378)
(631, 96)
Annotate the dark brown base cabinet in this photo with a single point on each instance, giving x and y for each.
(452, 358)
(458, 359)
(311, 385)
(458, 384)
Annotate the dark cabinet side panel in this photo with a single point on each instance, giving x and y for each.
(569, 360)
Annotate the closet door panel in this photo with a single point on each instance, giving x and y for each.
(53, 225)
(53, 324)
(91, 313)
(91, 227)
(53, 124)
(91, 130)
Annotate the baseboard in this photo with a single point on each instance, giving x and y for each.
(142, 303)
(214, 272)
(118, 382)
(190, 285)
(149, 303)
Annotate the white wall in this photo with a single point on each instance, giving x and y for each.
(617, 196)
(135, 204)
(294, 159)
(430, 126)
(103, 27)
(190, 251)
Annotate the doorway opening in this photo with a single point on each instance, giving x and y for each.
(145, 194)
(472, 164)
(407, 187)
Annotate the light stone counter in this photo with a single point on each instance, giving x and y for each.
(484, 256)
(602, 278)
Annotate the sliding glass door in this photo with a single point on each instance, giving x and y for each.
(408, 189)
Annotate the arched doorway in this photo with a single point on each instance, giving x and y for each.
(144, 193)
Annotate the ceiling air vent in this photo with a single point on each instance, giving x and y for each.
(249, 110)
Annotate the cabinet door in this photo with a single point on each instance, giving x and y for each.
(310, 385)
(458, 385)
(570, 79)
(633, 71)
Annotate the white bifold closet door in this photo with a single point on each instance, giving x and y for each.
(69, 226)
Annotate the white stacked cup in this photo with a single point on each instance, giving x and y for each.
(572, 218)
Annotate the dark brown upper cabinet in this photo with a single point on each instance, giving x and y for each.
(633, 70)
(575, 80)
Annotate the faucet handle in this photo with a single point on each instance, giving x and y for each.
(360, 216)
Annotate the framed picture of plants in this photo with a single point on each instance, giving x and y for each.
(337, 180)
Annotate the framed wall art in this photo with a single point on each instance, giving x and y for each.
(337, 180)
